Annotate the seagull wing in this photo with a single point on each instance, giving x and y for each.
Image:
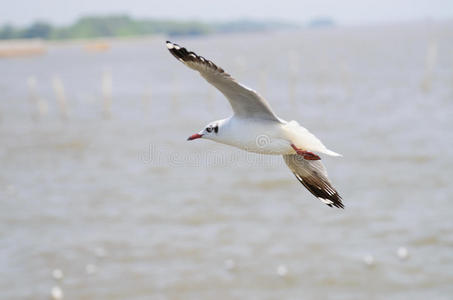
(313, 175)
(244, 101)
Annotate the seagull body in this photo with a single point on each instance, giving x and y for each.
(265, 137)
(254, 127)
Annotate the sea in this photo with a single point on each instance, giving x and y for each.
(102, 196)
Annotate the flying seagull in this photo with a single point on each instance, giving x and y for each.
(254, 127)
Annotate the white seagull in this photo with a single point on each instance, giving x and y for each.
(254, 127)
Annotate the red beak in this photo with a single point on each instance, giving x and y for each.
(194, 136)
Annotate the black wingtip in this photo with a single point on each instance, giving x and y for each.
(336, 202)
(323, 191)
(170, 45)
(339, 204)
(182, 54)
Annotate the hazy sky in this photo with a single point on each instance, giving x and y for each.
(22, 12)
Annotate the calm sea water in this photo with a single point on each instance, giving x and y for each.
(117, 199)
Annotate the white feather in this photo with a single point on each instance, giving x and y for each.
(304, 139)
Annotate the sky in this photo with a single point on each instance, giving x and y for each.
(62, 12)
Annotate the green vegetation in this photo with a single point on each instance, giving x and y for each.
(124, 26)
(321, 22)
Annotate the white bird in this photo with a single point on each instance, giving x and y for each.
(254, 127)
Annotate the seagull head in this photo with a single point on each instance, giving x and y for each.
(211, 131)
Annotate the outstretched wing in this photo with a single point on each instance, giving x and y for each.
(313, 175)
(244, 101)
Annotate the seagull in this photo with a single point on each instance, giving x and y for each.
(254, 127)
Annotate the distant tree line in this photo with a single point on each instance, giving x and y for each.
(125, 26)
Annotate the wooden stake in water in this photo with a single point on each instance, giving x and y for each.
(345, 78)
(293, 75)
(175, 93)
(430, 63)
(107, 93)
(60, 96)
(41, 104)
(210, 99)
(263, 76)
(240, 66)
(146, 99)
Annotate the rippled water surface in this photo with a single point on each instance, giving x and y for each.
(117, 199)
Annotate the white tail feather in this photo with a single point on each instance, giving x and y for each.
(304, 139)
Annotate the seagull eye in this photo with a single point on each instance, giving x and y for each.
(209, 129)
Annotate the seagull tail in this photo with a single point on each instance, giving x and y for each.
(304, 139)
(331, 153)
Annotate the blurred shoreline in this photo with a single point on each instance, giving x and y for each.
(126, 26)
(39, 46)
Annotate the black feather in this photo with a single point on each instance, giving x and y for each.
(320, 190)
(182, 54)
